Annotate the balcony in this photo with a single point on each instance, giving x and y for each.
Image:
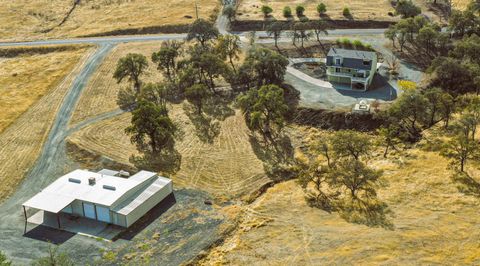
(355, 77)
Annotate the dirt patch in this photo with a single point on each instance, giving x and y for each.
(313, 69)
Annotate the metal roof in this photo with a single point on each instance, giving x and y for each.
(351, 58)
(347, 53)
(145, 194)
(75, 186)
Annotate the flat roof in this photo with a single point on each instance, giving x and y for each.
(75, 186)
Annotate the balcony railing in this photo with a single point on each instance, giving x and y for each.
(354, 77)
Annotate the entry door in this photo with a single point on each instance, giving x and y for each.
(89, 210)
(103, 214)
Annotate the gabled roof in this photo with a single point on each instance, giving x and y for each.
(352, 58)
(75, 186)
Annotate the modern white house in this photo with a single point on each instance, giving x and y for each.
(352, 67)
(107, 196)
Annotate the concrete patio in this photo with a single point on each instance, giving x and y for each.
(76, 225)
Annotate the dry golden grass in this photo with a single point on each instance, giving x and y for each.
(434, 224)
(101, 92)
(30, 100)
(226, 168)
(27, 78)
(26, 19)
(360, 9)
(460, 4)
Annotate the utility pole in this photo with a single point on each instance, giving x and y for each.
(196, 8)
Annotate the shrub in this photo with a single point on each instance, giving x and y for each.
(358, 44)
(345, 43)
(266, 10)
(287, 12)
(346, 12)
(321, 8)
(407, 9)
(300, 10)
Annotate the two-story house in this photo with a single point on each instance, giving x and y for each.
(353, 67)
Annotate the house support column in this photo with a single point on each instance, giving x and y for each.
(58, 221)
(26, 219)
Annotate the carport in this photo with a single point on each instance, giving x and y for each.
(48, 202)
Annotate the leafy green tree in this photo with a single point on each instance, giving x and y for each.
(3, 260)
(229, 12)
(266, 10)
(409, 111)
(470, 117)
(447, 108)
(54, 258)
(348, 143)
(300, 11)
(460, 149)
(203, 31)
(275, 30)
(434, 98)
(302, 32)
(197, 95)
(468, 49)
(151, 130)
(314, 174)
(167, 59)
(451, 75)
(407, 9)
(287, 12)
(356, 178)
(391, 34)
(322, 146)
(463, 23)
(263, 66)
(321, 9)
(265, 110)
(390, 137)
(131, 67)
(228, 47)
(426, 38)
(210, 68)
(155, 93)
(346, 12)
(319, 28)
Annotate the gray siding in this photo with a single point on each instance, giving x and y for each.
(148, 204)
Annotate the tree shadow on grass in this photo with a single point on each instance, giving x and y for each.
(219, 107)
(206, 128)
(167, 162)
(466, 184)
(277, 157)
(371, 212)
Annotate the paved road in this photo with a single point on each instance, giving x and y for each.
(221, 22)
(99, 40)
